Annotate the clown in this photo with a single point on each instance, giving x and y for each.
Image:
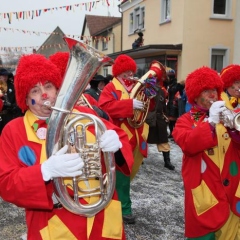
(230, 76)
(26, 171)
(211, 161)
(115, 100)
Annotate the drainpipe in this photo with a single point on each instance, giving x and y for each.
(236, 53)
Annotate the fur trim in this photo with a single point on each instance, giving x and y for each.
(122, 64)
(60, 59)
(230, 74)
(202, 79)
(31, 70)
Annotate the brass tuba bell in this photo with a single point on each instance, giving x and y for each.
(68, 128)
(137, 92)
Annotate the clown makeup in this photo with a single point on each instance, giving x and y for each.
(206, 98)
(40, 97)
(234, 90)
(128, 75)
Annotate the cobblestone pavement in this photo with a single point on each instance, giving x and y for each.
(157, 202)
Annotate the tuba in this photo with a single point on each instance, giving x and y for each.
(139, 115)
(64, 129)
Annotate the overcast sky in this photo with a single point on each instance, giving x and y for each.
(70, 22)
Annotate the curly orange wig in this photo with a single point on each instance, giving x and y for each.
(230, 74)
(202, 79)
(123, 63)
(31, 70)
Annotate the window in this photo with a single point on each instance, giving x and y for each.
(96, 43)
(221, 8)
(104, 43)
(136, 19)
(105, 71)
(219, 59)
(166, 11)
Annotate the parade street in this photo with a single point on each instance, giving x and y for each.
(157, 202)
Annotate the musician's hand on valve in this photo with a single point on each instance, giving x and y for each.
(137, 104)
(109, 141)
(62, 164)
(215, 111)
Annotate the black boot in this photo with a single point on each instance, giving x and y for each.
(167, 161)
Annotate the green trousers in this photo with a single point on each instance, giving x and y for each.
(210, 236)
(123, 190)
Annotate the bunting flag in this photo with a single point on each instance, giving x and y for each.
(30, 14)
(86, 39)
(54, 33)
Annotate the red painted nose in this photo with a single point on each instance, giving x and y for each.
(44, 95)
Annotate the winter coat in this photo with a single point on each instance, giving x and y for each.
(159, 134)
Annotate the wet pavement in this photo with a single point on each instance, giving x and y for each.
(157, 202)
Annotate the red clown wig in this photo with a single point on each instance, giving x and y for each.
(123, 63)
(202, 79)
(31, 70)
(230, 74)
(60, 59)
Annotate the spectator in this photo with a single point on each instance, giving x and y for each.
(138, 42)
(8, 107)
(97, 84)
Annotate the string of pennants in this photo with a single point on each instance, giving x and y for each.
(54, 33)
(30, 14)
(58, 45)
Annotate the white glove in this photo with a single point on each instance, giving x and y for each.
(62, 164)
(109, 141)
(215, 110)
(137, 104)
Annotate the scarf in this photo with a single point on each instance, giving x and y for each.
(198, 113)
(128, 84)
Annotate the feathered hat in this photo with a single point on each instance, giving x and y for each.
(31, 70)
(123, 63)
(60, 59)
(230, 74)
(202, 79)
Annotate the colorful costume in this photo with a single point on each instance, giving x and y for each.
(210, 167)
(210, 172)
(28, 190)
(116, 102)
(23, 155)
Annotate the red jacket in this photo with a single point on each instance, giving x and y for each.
(21, 183)
(210, 171)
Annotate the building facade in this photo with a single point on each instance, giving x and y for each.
(182, 34)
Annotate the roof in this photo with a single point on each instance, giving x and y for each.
(149, 50)
(54, 43)
(98, 24)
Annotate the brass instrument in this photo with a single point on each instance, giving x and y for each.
(65, 130)
(83, 101)
(137, 92)
(230, 119)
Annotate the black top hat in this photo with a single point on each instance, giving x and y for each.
(3, 72)
(98, 78)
